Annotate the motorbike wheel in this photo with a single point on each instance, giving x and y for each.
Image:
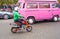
(14, 29)
(29, 28)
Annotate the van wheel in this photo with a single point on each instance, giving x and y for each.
(31, 20)
(55, 18)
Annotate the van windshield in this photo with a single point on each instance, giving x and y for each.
(56, 5)
(19, 4)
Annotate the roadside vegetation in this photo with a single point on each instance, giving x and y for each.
(10, 2)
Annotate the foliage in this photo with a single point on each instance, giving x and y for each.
(8, 2)
(59, 1)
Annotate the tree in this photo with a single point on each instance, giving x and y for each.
(59, 1)
(8, 2)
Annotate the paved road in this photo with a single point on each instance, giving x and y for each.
(42, 30)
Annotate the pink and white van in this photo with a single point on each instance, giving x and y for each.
(38, 10)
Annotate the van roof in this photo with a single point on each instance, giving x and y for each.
(37, 1)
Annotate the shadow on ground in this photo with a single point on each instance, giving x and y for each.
(45, 21)
(4, 19)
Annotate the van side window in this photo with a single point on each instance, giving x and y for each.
(56, 5)
(44, 5)
(32, 5)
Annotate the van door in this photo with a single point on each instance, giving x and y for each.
(56, 9)
(32, 10)
(44, 11)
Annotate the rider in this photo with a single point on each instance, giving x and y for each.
(17, 17)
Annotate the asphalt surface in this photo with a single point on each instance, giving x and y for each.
(41, 30)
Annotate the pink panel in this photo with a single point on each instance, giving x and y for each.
(35, 0)
(41, 0)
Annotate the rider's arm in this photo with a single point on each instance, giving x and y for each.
(20, 16)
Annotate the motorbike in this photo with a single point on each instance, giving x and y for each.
(25, 26)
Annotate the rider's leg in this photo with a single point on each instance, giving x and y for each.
(20, 25)
(20, 21)
(17, 22)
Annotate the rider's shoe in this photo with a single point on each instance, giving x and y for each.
(21, 29)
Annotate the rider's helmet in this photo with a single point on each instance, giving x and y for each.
(16, 8)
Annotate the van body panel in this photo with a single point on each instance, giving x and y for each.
(39, 13)
(56, 11)
(26, 13)
(36, 0)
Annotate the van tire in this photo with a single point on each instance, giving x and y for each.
(31, 20)
(55, 18)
